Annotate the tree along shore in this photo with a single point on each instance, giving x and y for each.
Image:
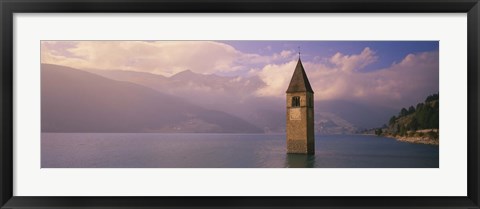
(416, 124)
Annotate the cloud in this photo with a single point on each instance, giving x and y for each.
(403, 83)
(159, 57)
(276, 78)
(354, 62)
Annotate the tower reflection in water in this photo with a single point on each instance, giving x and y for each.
(299, 161)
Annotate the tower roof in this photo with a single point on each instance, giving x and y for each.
(299, 82)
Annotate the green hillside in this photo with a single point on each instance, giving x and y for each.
(421, 121)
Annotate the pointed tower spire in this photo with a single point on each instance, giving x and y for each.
(300, 124)
(299, 52)
(299, 82)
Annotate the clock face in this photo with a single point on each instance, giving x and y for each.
(295, 114)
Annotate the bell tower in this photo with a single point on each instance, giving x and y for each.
(300, 121)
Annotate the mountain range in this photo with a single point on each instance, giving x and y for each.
(75, 100)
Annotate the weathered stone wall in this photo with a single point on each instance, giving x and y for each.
(300, 122)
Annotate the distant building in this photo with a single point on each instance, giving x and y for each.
(300, 121)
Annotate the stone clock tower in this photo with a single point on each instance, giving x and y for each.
(300, 129)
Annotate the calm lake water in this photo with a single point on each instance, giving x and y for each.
(145, 150)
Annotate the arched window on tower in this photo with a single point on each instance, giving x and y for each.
(296, 101)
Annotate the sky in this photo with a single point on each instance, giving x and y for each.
(386, 72)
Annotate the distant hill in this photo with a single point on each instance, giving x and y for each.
(419, 124)
(329, 123)
(359, 115)
(235, 95)
(188, 83)
(424, 116)
(77, 101)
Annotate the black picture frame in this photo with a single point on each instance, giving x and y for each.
(10, 7)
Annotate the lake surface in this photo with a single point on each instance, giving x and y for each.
(153, 150)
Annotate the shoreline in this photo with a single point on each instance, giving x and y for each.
(416, 140)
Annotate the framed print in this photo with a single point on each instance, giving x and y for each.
(262, 104)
